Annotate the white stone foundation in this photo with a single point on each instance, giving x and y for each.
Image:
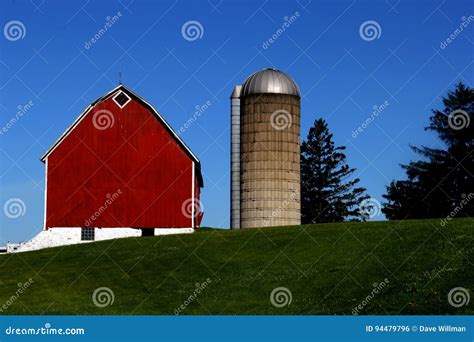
(54, 237)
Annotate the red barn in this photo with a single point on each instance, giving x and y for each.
(121, 166)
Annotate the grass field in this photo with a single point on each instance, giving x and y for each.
(328, 268)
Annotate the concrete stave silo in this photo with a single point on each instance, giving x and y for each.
(266, 189)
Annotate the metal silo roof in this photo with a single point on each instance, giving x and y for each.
(270, 81)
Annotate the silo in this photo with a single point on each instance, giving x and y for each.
(268, 129)
(235, 158)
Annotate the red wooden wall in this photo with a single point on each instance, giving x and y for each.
(132, 174)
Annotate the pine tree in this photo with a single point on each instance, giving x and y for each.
(439, 183)
(327, 192)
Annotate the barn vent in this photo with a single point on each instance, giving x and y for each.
(121, 99)
(88, 234)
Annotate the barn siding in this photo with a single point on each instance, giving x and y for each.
(137, 156)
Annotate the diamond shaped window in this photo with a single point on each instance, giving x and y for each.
(121, 99)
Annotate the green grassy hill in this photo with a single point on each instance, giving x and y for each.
(328, 268)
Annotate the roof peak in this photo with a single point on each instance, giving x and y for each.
(120, 87)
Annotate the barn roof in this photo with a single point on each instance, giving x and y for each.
(123, 88)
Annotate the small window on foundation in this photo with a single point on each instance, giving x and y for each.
(148, 231)
(88, 234)
(121, 99)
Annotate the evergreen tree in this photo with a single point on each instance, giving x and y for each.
(439, 183)
(327, 192)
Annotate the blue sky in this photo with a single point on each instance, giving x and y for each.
(342, 75)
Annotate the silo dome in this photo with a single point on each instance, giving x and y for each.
(270, 81)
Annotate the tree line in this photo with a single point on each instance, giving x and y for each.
(440, 184)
